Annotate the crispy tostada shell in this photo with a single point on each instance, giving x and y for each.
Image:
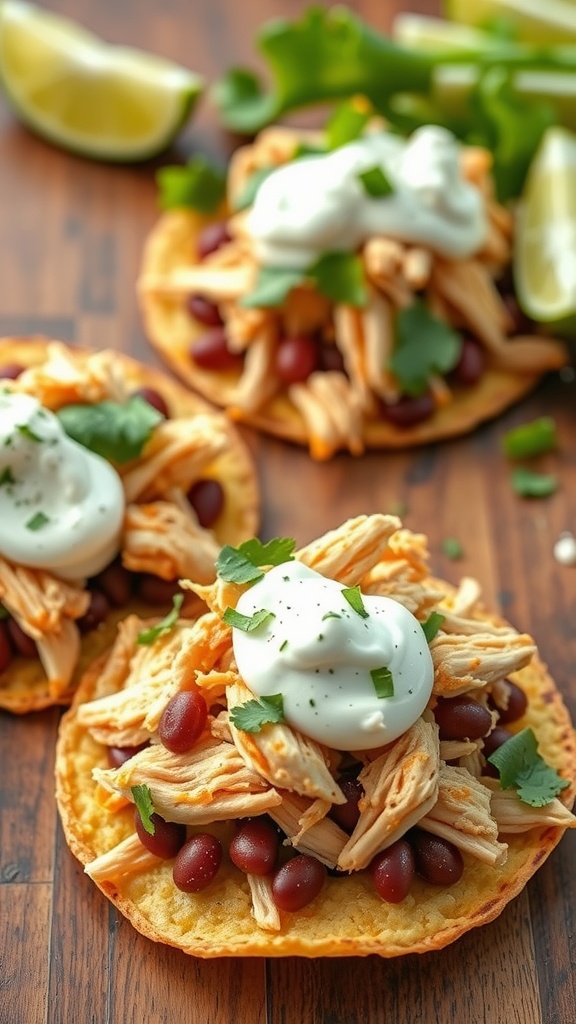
(23, 686)
(347, 918)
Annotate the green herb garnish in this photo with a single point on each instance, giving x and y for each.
(251, 716)
(37, 522)
(383, 682)
(248, 193)
(530, 439)
(143, 800)
(529, 484)
(116, 431)
(198, 185)
(149, 636)
(273, 285)
(354, 598)
(28, 433)
(7, 476)
(452, 548)
(247, 623)
(376, 183)
(347, 122)
(520, 765)
(331, 615)
(431, 625)
(340, 277)
(425, 345)
(242, 564)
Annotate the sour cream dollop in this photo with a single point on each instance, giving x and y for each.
(318, 204)
(318, 652)
(61, 506)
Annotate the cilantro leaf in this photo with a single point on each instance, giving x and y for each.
(340, 277)
(247, 623)
(28, 433)
(251, 716)
(529, 484)
(37, 521)
(354, 598)
(272, 286)
(247, 194)
(431, 625)
(143, 801)
(198, 185)
(383, 682)
(452, 548)
(149, 636)
(376, 183)
(116, 431)
(7, 476)
(347, 122)
(520, 765)
(241, 564)
(530, 439)
(424, 345)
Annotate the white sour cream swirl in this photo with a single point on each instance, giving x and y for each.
(61, 506)
(318, 653)
(318, 204)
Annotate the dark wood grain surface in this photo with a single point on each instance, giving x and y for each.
(71, 233)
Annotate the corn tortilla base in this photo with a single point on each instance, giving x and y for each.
(347, 918)
(23, 686)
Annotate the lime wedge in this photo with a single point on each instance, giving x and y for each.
(545, 246)
(536, 21)
(108, 102)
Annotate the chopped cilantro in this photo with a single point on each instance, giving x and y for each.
(28, 433)
(247, 623)
(247, 194)
(520, 765)
(354, 598)
(242, 564)
(251, 716)
(143, 801)
(347, 122)
(376, 183)
(283, 645)
(452, 548)
(149, 636)
(431, 625)
(7, 476)
(198, 185)
(424, 345)
(273, 285)
(530, 439)
(331, 615)
(116, 431)
(340, 277)
(529, 484)
(37, 522)
(383, 682)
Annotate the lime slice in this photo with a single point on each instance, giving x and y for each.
(108, 102)
(545, 246)
(537, 21)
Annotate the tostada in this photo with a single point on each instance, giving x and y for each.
(114, 482)
(342, 756)
(351, 297)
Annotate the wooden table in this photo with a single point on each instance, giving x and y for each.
(71, 232)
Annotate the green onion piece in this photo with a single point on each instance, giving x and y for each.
(531, 439)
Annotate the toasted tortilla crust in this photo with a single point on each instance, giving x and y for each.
(347, 918)
(171, 330)
(23, 686)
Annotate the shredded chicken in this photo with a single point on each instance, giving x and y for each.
(264, 909)
(66, 378)
(164, 538)
(175, 456)
(465, 663)
(333, 412)
(513, 815)
(129, 857)
(323, 838)
(462, 815)
(400, 787)
(349, 551)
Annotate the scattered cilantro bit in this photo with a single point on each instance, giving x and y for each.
(274, 552)
(530, 439)
(347, 122)
(424, 345)
(354, 598)
(7, 476)
(273, 284)
(308, 149)
(143, 801)
(331, 615)
(520, 765)
(248, 193)
(116, 431)
(283, 645)
(37, 522)
(340, 277)
(376, 183)
(198, 185)
(529, 484)
(149, 636)
(251, 716)
(431, 625)
(383, 682)
(247, 623)
(28, 433)
(242, 564)
(452, 548)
